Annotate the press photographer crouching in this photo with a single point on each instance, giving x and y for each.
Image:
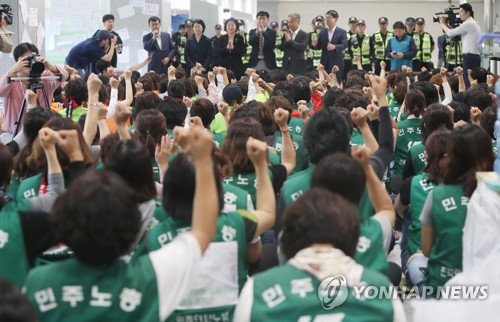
(27, 62)
(5, 35)
(470, 32)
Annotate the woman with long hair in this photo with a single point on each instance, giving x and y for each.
(443, 215)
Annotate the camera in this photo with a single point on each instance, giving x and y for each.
(5, 8)
(284, 26)
(452, 17)
(36, 66)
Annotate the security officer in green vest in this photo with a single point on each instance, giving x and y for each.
(347, 55)
(181, 46)
(359, 45)
(425, 46)
(410, 26)
(380, 40)
(246, 37)
(279, 38)
(453, 52)
(314, 55)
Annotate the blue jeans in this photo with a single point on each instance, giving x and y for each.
(471, 61)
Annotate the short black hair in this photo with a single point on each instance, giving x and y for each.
(320, 217)
(179, 187)
(478, 97)
(204, 109)
(332, 13)
(176, 88)
(300, 89)
(22, 48)
(76, 90)
(262, 14)
(98, 217)
(174, 111)
(467, 7)
(340, 174)
(429, 91)
(326, 132)
(237, 24)
(200, 22)
(480, 74)
(108, 17)
(154, 19)
(131, 160)
(14, 306)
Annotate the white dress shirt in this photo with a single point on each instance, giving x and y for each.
(330, 33)
(470, 32)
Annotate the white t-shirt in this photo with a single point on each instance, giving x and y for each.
(177, 266)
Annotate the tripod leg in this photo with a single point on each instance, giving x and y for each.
(17, 125)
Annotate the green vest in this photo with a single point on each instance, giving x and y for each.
(212, 295)
(14, 264)
(347, 55)
(29, 187)
(495, 147)
(380, 46)
(182, 48)
(393, 105)
(246, 56)
(72, 291)
(453, 51)
(286, 293)
(219, 139)
(361, 49)
(279, 53)
(300, 182)
(75, 114)
(274, 158)
(449, 208)
(370, 252)
(410, 134)
(234, 198)
(357, 138)
(417, 154)
(424, 53)
(315, 54)
(420, 188)
(298, 144)
(247, 182)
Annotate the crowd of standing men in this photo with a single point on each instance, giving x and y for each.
(285, 45)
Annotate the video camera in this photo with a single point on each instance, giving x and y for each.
(284, 26)
(452, 16)
(5, 8)
(36, 66)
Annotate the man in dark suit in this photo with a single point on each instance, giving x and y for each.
(159, 46)
(294, 45)
(332, 41)
(263, 41)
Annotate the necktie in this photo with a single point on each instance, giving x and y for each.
(261, 45)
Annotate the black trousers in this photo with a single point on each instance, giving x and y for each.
(471, 61)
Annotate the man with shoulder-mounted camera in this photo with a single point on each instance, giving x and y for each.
(294, 45)
(470, 32)
(26, 55)
(5, 36)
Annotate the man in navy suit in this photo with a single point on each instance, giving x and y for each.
(332, 41)
(159, 46)
(263, 42)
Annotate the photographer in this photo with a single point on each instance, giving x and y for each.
(13, 93)
(470, 32)
(5, 36)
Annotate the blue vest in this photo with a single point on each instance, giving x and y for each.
(402, 46)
